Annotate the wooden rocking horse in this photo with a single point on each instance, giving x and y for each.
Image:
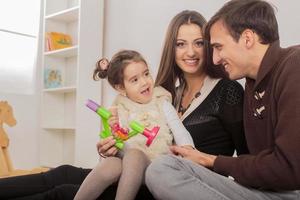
(6, 166)
(7, 117)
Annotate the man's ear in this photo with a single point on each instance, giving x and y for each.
(121, 89)
(249, 37)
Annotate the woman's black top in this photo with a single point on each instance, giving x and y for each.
(216, 125)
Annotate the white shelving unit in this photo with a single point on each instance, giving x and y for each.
(63, 53)
(69, 130)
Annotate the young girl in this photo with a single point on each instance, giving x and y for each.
(138, 100)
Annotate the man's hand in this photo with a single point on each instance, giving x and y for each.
(194, 155)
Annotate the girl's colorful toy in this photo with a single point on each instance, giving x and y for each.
(119, 133)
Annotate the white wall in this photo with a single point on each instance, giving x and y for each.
(288, 20)
(24, 137)
(141, 25)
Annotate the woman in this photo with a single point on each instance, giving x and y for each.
(210, 106)
(212, 113)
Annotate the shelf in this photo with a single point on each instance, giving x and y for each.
(64, 118)
(63, 53)
(61, 90)
(69, 129)
(67, 15)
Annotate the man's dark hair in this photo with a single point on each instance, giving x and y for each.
(238, 15)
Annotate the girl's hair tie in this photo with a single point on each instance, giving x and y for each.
(103, 63)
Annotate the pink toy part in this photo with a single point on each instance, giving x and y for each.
(120, 132)
(150, 134)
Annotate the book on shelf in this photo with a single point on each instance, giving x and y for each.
(52, 78)
(55, 40)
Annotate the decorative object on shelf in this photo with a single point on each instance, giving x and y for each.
(52, 78)
(6, 166)
(55, 40)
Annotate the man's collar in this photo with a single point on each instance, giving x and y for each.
(268, 62)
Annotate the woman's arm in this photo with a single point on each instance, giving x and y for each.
(232, 115)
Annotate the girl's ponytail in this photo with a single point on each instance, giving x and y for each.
(100, 71)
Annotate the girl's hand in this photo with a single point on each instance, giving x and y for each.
(194, 155)
(114, 116)
(106, 148)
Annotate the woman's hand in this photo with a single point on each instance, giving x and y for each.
(194, 155)
(106, 147)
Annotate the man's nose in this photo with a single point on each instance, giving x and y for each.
(216, 57)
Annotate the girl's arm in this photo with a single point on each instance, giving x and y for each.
(181, 135)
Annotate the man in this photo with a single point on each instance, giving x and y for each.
(244, 38)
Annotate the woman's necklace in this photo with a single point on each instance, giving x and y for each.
(182, 109)
(192, 82)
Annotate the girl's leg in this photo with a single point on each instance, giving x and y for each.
(134, 164)
(104, 174)
(19, 186)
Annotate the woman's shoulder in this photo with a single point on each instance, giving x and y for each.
(231, 85)
(233, 91)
